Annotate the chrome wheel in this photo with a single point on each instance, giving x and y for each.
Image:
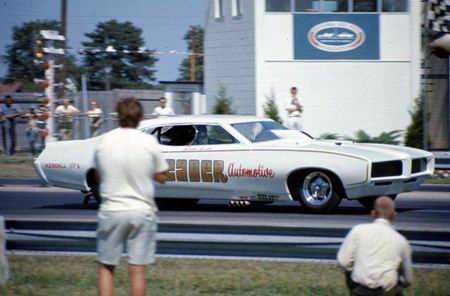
(317, 188)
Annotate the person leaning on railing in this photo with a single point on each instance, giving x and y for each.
(64, 115)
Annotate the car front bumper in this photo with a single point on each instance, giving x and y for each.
(377, 188)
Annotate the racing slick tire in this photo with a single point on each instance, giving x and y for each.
(169, 203)
(369, 201)
(317, 191)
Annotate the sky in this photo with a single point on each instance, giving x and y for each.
(164, 22)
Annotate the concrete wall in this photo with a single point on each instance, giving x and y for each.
(342, 96)
(230, 57)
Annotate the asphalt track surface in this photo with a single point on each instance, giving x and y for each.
(416, 210)
(57, 220)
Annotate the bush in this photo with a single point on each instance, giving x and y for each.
(414, 132)
(271, 109)
(223, 102)
(391, 137)
(329, 136)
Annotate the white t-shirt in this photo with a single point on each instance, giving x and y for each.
(163, 111)
(62, 110)
(126, 160)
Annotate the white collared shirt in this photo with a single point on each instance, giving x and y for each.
(377, 255)
(163, 111)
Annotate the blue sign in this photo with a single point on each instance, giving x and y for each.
(336, 36)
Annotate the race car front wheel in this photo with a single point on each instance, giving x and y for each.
(317, 192)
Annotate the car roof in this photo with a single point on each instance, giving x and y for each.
(179, 119)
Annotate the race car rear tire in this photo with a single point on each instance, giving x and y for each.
(166, 203)
(369, 201)
(317, 191)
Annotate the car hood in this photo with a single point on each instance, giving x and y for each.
(372, 152)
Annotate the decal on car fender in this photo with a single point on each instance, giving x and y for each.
(212, 171)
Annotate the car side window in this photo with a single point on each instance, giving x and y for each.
(176, 135)
(212, 135)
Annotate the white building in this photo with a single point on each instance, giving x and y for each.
(356, 63)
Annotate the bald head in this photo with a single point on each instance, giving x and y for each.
(384, 208)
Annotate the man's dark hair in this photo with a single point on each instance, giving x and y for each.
(130, 112)
(162, 98)
(293, 88)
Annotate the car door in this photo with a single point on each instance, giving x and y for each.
(198, 155)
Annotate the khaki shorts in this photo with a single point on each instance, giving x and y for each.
(133, 230)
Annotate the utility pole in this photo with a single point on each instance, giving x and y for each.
(63, 20)
(192, 66)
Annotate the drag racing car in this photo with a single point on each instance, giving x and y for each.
(245, 158)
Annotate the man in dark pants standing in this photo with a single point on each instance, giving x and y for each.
(10, 111)
(3, 131)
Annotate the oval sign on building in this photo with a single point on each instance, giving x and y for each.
(336, 36)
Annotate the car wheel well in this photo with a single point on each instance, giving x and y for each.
(297, 176)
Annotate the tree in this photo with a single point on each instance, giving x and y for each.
(414, 132)
(194, 37)
(271, 108)
(223, 102)
(391, 137)
(21, 53)
(119, 68)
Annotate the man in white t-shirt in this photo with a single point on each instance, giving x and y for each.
(65, 114)
(127, 161)
(163, 109)
(294, 111)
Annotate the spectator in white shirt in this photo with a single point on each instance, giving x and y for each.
(95, 116)
(163, 109)
(376, 258)
(65, 114)
(127, 161)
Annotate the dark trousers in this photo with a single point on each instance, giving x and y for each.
(357, 289)
(4, 143)
(12, 136)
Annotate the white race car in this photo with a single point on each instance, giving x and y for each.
(245, 158)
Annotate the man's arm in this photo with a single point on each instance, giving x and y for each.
(161, 166)
(406, 273)
(345, 256)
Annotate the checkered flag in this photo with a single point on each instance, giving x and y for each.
(439, 16)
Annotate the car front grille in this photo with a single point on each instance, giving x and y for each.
(418, 165)
(387, 169)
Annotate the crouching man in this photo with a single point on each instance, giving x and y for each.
(375, 257)
(127, 162)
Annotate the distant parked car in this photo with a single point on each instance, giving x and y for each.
(248, 158)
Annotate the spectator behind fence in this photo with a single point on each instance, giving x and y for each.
(42, 113)
(64, 114)
(375, 257)
(32, 131)
(163, 109)
(3, 131)
(127, 161)
(10, 112)
(95, 116)
(294, 110)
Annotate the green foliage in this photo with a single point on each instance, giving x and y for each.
(414, 132)
(329, 136)
(391, 137)
(20, 54)
(271, 109)
(223, 102)
(194, 37)
(127, 70)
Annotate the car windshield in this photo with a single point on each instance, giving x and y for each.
(259, 131)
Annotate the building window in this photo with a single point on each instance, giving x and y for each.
(365, 5)
(236, 8)
(395, 5)
(335, 5)
(278, 5)
(218, 9)
(307, 5)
